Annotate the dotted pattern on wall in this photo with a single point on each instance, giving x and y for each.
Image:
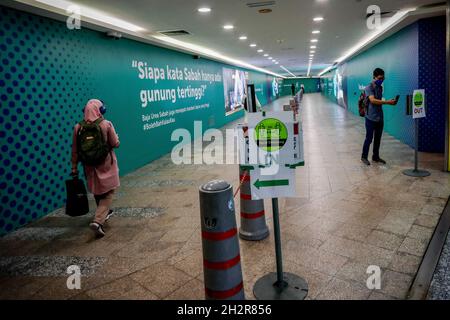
(432, 79)
(45, 79)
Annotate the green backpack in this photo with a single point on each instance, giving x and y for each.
(92, 147)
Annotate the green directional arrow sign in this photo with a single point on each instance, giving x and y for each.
(271, 183)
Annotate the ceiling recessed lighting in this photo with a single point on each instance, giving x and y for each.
(394, 20)
(208, 52)
(313, 47)
(266, 55)
(253, 45)
(277, 62)
(315, 32)
(318, 19)
(93, 14)
(312, 51)
(260, 50)
(228, 27)
(242, 38)
(270, 58)
(314, 40)
(204, 9)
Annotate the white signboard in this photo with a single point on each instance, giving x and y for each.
(419, 104)
(272, 146)
(265, 185)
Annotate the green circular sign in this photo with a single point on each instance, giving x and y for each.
(418, 99)
(271, 134)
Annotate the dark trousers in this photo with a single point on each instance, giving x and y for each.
(374, 131)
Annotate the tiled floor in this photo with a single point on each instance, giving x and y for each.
(346, 217)
(440, 285)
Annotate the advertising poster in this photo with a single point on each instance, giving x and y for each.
(235, 88)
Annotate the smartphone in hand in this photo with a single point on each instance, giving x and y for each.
(397, 98)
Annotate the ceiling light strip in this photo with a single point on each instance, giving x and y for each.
(309, 68)
(93, 14)
(282, 67)
(98, 16)
(212, 54)
(395, 19)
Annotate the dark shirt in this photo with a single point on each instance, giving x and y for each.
(374, 112)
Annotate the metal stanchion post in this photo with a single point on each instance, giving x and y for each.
(280, 285)
(279, 258)
(416, 172)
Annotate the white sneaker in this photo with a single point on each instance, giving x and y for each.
(97, 228)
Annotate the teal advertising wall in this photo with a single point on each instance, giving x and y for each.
(264, 87)
(311, 85)
(413, 58)
(329, 85)
(398, 56)
(48, 73)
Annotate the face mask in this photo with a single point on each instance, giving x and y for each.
(378, 82)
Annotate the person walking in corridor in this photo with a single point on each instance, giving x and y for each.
(374, 117)
(94, 140)
(293, 89)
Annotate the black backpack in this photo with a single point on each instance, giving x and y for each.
(363, 104)
(91, 145)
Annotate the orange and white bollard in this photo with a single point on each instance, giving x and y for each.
(253, 218)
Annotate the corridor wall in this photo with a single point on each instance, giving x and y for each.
(413, 58)
(48, 73)
(312, 85)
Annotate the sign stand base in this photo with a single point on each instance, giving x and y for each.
(280, 285)
(292, 288)
(416, 173)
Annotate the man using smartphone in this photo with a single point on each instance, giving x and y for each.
(374, 117)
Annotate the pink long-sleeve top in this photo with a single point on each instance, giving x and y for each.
(105, 177)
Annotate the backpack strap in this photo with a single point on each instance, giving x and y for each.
(97, 122)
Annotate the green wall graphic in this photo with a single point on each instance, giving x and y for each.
(413, 58)
(398, 56)
(47, 75)
(311, 85)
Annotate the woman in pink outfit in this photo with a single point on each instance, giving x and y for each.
(102, 179)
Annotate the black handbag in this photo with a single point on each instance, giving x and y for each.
(77, 201)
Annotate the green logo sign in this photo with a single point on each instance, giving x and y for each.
(271, 134)
(418, 99)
